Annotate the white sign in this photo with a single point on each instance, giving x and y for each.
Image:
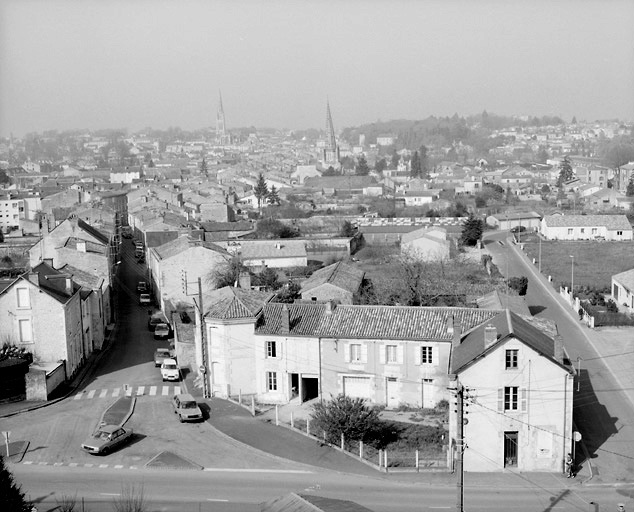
(576, 436)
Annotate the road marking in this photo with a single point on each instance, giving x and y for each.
(102, 466)
(215, 499)
(439, 507)
(118, 466)
(152, 390)
(57, 464)
(72, 464)
(103, 393)
(42, 463)
(91, 393)
(166, 390)
(78, 395)
(287, 471)
(133, 467)
(28, 462)
(177, 390)
(116, 392)
(140, 390)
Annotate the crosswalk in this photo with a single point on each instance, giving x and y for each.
(89, 394)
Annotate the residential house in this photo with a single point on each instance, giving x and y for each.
(176, 266)
(427, 244)
(509, 220)
(623, 289)
(417, 197)
(586, 227)
(339, 281)
(41, 311)
(259, 254)
(11, 208)
(515, 420)
(603, 199)
(299, 175)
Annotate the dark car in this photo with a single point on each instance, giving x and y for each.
(518, 229)
(106, 438)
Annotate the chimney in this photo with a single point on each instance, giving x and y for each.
(330, 307)
(278, 246)
(245, 280)
(490, 335)
(286, 319)
(81, 245)
(68, 285)
(558, 348)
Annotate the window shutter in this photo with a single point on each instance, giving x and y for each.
(500, 399)
(346, 352)
(435, 355)
(399, 353)
(364, 353)
(524, 400)
(418, 355)
(278, 349)
(382, 353)
(266, 349)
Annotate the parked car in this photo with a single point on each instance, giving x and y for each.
(161, 354)
(518, 229)
(145, 299)
(161, 331)
(154, 320)
(186, 407)
(141, 287)
(170, 371)
(106, 438)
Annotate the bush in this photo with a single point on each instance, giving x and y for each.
(519, 284)
(611, 306)
(348, 416)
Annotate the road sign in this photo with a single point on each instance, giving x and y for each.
(576, 436)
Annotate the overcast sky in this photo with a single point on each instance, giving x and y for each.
(134, 63)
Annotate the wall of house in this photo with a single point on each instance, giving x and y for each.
(293, 355)
(231, 353)
(197, 261)
(426, 249)
(413, 377)
(622, 295)
(73, 332)
(543, 419)
(584, 233)
(291, 261)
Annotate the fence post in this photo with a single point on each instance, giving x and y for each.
(308, 427)
(380, 457)
(277, 416)
(385, 459)
(253, 405)
(343, 445)
(292, 422)
(417, 464)
(360, 449)
(240, 396)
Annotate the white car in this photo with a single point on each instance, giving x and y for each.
(170, 371)
(144, 299)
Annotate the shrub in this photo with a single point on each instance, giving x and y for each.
(348, 416)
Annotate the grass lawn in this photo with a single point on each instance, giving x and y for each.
(594, 262)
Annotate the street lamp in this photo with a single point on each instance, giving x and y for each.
(572, 277)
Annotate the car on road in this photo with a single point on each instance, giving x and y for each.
(518, 229)
(160, 354)
(161, 331)
(106, 438)
(141, 287)
(154, 320)
(170, 371)
(186, 407)
(145, 299)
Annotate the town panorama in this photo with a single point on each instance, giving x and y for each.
(402, 315)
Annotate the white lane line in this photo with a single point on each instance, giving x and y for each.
(214, 499)
(166, 390)
(28, 462)
(56, 464)
(91, 393)
(73, 464)
(438, 507)
(102, 466)
(152, 390)
(88, 465)
(140, 391)
(116, 392)
(103, 393)
(287, 471)
(78, 395)
(118, 466)
(177, 390)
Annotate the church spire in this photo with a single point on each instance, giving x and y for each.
(222, 137)
(331, 150)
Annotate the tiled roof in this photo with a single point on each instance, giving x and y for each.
(264, 249)
(499, 300)
(609, 221)
(310, 503)
(373, 322)
(431, 233)
(93, 231)
(182, 244)
(507, 325)
(338, 274)
(626, 279)
(233, 303)
(85, 279)
(91, 247)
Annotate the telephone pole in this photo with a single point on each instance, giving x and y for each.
(460, 446)
(200, 320)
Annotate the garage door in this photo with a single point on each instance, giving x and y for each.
(356, 387)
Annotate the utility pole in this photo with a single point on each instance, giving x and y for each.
(460, 447)
(204, 367)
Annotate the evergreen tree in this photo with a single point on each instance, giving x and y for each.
(261, 190)
(380, 165)
(394, 160)
(415, 168)
(472, 230)
(565, 172)
(362, 168)
(424, 162)
(11, 496)
(273, 197)
(347, 229)
(629, 192)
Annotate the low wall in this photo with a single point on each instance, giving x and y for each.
(41, 382)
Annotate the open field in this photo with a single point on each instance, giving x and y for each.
(594, 262)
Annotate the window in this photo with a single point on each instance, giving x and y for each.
(570, 231)
(426, 356)
(271, 349)
(23, 297)
(619, 233)
(510, 398)
(271, 381)
(355, 352)
(24, 328)
(390, 354)
(511, 359)
(594, 231)
(583, 230)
